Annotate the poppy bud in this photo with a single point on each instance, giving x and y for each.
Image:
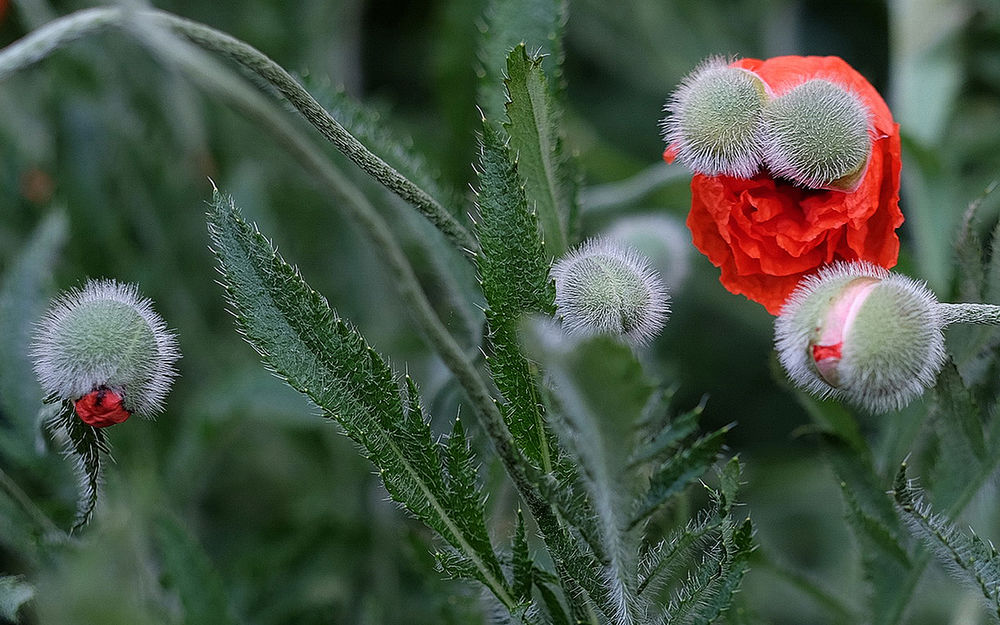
(856, 332)
(604, 287)
(103, 348)
(818, 136)
(715, 120)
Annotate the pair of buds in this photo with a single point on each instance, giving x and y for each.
(725, 120)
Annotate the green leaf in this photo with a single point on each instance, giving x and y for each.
(875, 525)
(961, 443)
(322, 356)
(967, 557)
(709, 589)
(660, 436)
(533, 126)
(538, 24)
(514, 274)
(84, 444)
(665, 562)
(680, 470)
(188, 571)
(597, 395)
(556, 612)
(14, 593)
(24, 294)
(522, 564)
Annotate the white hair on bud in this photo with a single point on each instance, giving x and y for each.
(606, 287)
(892, 349)
(105, 334)
(714, 120)
(816, 134)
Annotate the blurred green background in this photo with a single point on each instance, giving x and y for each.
(238, 479)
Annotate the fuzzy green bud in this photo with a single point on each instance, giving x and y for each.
(714, 120)
(663, 239)
(604, 287)
(858, 333)
(105, 349)
(818, 135)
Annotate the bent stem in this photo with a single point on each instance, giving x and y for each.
(223, 84)
(985, 314)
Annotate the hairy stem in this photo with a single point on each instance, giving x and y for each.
(986, 314)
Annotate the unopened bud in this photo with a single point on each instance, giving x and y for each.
(104, 349)
(604, 287)
(856, 332)
(818, 136)
(715, 120)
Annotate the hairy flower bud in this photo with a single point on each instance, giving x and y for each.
(818, 135)
(103, 348)
(856, 332)
(604, 287)
(715, 120)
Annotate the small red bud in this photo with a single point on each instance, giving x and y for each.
(101, 407)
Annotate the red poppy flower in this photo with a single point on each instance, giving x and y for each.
(766, 233)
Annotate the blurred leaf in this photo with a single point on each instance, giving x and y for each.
(538, 24)
(515, 279)
(533, 126)
(25, 289)
(521, 561)
(188, 571)
(300, 338)
(14, 593)
(961, 445)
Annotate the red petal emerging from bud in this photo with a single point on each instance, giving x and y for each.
(101, 407)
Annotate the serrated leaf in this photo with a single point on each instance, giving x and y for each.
(709, 589)
(533, 127)
(536, 23)
(515, 280)
(319, 354)
(674, 475)
(15, 591)
(188, 571)
(670, 556)
(24, 293)
(553, 607)
(663, 440)
(967, 557)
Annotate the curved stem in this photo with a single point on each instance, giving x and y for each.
(986, 314)
(223, 85)
(57, 33)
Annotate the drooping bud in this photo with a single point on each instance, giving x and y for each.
(662, 239)
(605, 287)
(104, 349)
(818, 135)
(858, 333)
(714, 120)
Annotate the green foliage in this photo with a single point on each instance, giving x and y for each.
(537, 24)
(515, 280)
(25, 289)
(303, 341)
(533, 126)
(968, 557)
(188, 571)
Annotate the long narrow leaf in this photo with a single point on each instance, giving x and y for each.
(304, 342)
